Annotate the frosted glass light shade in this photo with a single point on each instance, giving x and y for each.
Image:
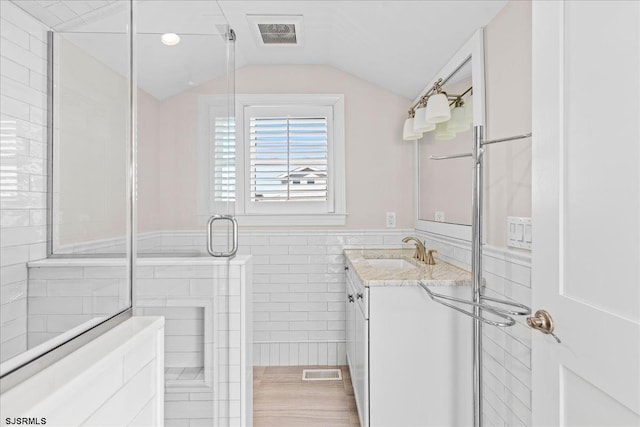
(438, 108)
(408, 134)
(420, 123)
(468, 112)
(458, 122)
(443, 133)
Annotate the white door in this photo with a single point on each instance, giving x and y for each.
(586, 212)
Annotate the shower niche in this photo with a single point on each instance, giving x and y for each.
(187, 343)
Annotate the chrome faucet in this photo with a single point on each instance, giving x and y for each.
(421, 253)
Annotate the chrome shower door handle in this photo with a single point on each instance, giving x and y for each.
(234, 247)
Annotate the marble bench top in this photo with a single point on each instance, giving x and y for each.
(440, 274)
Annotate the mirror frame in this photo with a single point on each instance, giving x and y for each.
(474, 49)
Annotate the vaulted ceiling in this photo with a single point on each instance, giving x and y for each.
(398, 45)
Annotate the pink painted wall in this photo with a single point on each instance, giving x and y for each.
(379, 165)
(148, 163)
(508, 92)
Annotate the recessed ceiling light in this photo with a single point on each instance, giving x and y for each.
(170, 39)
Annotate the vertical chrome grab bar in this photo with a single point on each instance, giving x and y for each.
(234, 247)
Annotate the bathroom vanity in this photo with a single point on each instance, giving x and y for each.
(409, 358)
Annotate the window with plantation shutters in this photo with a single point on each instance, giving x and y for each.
(279, 161)
(288, 159)
(224, 159)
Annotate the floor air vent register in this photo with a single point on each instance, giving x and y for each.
(321, 375)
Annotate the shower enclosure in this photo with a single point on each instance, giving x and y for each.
(117, 149)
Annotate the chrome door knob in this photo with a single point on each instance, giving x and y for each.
(543, 322)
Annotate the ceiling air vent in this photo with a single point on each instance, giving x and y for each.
(280, 30)
(278, 33)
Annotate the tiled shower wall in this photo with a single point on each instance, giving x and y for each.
(298, 280)
(66, 292)
(507, 351)
(23, 69)
(298, 288)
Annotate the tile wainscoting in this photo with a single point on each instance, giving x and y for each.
(507, 351)
(298, 307)
(298, 288)
(298, 284)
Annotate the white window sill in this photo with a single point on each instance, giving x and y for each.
(291, 219)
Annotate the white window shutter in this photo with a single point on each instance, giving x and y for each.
(288, 159)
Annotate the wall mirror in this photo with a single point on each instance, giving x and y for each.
(444, 187)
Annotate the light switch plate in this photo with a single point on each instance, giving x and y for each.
(519, 232)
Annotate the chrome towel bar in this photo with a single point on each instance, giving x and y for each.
(493, 141)
(502, 313)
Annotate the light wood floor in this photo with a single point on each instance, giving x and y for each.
(282, 399)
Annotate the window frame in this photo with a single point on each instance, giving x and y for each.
(298, 207)
(335, 214)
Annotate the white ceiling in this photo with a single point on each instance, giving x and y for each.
(398, 45)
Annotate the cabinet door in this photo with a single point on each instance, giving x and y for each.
(361, 381)
(350, 324)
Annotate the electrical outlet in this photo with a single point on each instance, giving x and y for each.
(438, 216)
(391, 219)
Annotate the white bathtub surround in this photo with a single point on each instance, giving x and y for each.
(507, 351)
(23, 69)
(116, 379)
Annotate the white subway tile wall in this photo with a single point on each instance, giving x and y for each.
(185, 293)
(62, 297)
(68, 292)
(507, 351)
(298, 285)
(298, 288)
(23, 104)
(298, 313)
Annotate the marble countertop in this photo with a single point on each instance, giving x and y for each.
(440, 274)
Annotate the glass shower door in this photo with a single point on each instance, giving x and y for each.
(186, 232)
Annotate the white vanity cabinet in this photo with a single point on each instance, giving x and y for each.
(358, 345)
(409, 358)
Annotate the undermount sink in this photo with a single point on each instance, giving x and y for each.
(390, 263)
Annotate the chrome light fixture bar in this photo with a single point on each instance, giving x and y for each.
(432, 112)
